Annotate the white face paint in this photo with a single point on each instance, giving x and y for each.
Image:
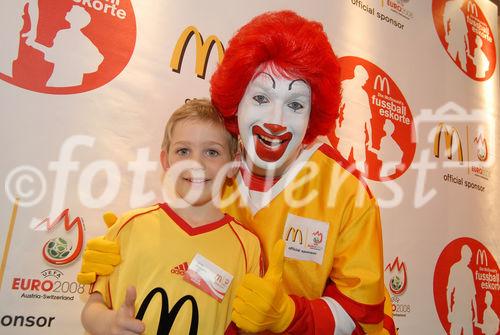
(272, 118)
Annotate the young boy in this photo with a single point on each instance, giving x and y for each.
(158, 243)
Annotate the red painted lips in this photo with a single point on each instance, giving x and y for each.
(270, 147)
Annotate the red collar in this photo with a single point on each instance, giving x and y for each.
(257, 183)
(194, 230)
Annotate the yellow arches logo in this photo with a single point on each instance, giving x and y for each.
(294, 233)
(449, 135)
(203, 50)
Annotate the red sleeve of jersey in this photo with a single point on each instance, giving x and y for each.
(359, 312)
(231, 329)
(312, 317)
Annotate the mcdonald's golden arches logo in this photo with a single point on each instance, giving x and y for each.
(295, 234)
(472, 8)
(449, 136)
(481, 257)
(203, 50)
(382, 82)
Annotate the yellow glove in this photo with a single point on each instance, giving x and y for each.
(262, 303)
(100, 256)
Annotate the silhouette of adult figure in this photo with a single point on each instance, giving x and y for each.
(461, 295)
(354, 131)
(455, 28)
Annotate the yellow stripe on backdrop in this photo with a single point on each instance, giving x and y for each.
(7, 240)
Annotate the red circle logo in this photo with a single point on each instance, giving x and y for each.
(466, 36)
(375, 128)
(466, 288)
(65, 46)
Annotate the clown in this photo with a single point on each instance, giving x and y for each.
(278, 89)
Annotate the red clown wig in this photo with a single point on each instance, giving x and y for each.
(296, 47)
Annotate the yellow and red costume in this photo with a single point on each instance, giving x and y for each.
(338, 205)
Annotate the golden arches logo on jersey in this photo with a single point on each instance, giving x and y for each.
(203, 50)
(294, 235)
(450, 133)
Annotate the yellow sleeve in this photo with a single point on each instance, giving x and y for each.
(357, 275)
(256, 258)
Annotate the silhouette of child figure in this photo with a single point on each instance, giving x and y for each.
(491, 322)
(390, 153)
(479, 59)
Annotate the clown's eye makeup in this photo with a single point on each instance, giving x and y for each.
(295, 106)
(261, 99)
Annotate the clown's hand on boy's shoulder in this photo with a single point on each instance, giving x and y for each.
(100, 256)
(262, 303)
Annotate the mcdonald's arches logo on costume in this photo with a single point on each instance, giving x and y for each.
(65, 46)
(375, 126)
(466, 36)
(294, 235)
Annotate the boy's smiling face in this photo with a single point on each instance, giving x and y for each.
(198, 151)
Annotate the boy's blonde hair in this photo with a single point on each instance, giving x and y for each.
(198, 110)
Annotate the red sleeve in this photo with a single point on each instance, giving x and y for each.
(312, 317)
(231, 329)
(359, 312)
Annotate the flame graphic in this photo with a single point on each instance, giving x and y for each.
(482, 147)
(318, 237)
(401, 268)
(68, 226)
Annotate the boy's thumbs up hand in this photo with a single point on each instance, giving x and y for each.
(124, 322)
(128, 306)
(261, 303)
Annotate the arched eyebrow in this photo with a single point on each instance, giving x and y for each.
(272, 78)
(293, 81)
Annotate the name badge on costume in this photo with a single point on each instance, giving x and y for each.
(208, 277)
(305, 239)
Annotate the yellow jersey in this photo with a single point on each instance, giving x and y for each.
(156, 246)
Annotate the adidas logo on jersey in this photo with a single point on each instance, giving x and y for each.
(180, 269)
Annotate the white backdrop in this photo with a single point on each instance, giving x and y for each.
(84, 100)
